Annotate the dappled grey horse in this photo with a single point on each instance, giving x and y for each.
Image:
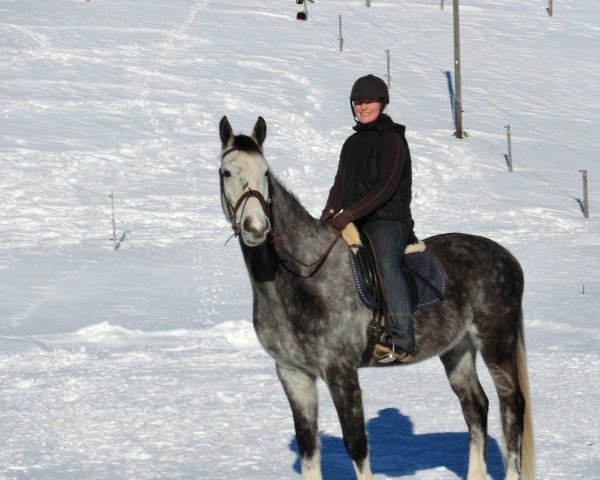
(309, 318)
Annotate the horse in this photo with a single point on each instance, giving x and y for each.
(308, 317)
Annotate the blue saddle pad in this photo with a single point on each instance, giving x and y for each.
(423, 273)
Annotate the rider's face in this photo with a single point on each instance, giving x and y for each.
(367, 110)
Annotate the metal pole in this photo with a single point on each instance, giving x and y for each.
(442, 5)
(510, 162)
(586, 205)
(368, 3)
(458, 93)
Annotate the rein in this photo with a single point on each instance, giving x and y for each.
(316, 264)
(275, 237)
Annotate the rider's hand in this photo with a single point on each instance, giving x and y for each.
(326, 215)
(341, 220)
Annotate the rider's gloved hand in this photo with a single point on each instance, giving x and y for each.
(341, 220)
(326, 215)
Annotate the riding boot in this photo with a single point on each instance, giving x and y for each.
(389, 239)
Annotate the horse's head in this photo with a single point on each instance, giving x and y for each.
(244, 176)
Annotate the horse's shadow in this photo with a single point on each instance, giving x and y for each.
(396, 451)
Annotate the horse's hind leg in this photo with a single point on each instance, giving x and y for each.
(347, 398)
(508, 369)
(301, 392)
(462, 375)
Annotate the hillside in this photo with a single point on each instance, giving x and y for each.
(142, 362)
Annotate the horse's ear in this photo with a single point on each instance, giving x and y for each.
(225, 131)
(260, 131)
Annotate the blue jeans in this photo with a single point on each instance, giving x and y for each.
(389, 238)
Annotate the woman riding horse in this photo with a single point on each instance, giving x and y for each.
(372, 188)
(309, 319)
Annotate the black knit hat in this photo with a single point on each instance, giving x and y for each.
(370, 87)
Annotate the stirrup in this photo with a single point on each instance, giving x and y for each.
(386, 358)
(384, 354)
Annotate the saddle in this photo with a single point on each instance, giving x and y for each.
(423, 272)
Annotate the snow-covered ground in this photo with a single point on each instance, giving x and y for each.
(142, 363)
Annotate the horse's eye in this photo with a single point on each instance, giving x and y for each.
(226, 173)
(267, 173)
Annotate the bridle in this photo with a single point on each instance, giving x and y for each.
(233, 209)
(275, 238)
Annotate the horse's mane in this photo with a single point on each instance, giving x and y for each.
(304, 239)
(283, 197)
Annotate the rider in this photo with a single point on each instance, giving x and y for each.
(372, 188)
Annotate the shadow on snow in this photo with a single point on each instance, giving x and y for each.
(395, 450)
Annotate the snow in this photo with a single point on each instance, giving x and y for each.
(143, 363)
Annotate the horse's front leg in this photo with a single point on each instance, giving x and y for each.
(301, 391)
(347, 398)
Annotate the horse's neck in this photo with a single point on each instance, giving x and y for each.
(302, 235)
(297, 237)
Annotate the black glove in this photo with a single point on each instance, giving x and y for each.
(326, 215)
(341, 220)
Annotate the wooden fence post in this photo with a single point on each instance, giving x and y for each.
(586, 204)
(114, 225)
(389, 77)
(549, 7)
(509, 156)
(368, 3)
(341, 38)
(457, 76)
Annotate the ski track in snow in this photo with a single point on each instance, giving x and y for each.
(143, 363)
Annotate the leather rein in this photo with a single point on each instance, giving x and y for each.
(275, 238)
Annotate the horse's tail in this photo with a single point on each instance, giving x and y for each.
(527, 445)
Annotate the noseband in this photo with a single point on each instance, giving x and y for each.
(233, 209)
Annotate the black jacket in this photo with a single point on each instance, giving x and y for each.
(374, 177)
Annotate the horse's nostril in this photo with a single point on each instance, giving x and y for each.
(254, 226)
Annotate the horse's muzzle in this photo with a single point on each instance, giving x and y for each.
(254, 230)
